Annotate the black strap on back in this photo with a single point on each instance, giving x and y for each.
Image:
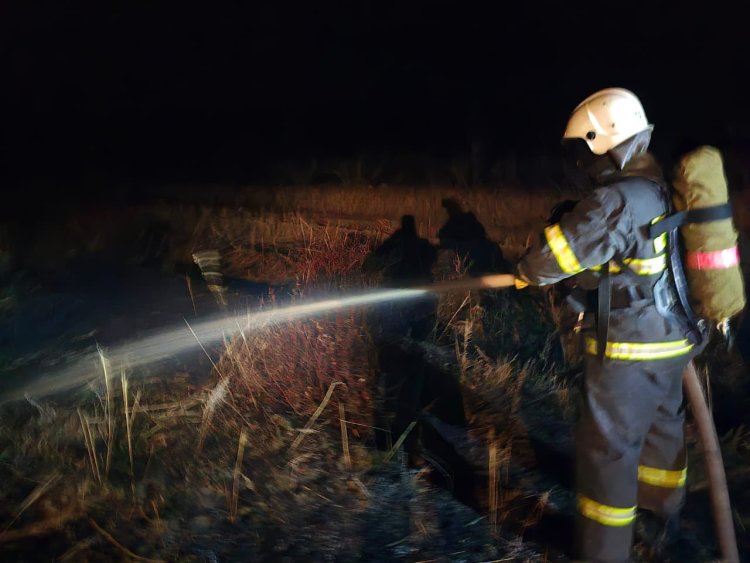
(679, 279)
(702, 215)
(604, 295)
(668, 225)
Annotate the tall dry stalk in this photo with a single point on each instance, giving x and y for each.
(88, 440)
(449, 324)
(128, 422)
(462, 346)
(108, 414)
(190, 292)
(517, 392)
(316, 414)
(344, 436)
(493, 490)
(236, 477)
(215, 398)
(34, 496)
(400, 441)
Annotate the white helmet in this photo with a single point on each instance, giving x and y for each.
(606, 119)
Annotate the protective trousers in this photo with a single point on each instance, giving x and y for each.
(630, 451)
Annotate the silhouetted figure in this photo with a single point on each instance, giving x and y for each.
(461, 225)
(405, 260)
(465, 235)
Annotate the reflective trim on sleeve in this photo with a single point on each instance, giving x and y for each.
(672, 479)
(565, 256)
(606, 515)
(641, 350)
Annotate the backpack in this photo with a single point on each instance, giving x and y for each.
(704, 282)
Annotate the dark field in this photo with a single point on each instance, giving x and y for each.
(428, 430)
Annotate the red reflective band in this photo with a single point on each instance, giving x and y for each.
(716, 260)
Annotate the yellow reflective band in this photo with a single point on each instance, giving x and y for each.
(641, 350)
(641, 266)
(648, 266)
(657, 219)
(662, 477)
(660, 243)
(565, 256)
(607, 515)
(614, 268)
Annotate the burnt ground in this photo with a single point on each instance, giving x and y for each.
(429, 502)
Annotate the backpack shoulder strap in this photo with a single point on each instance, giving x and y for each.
(702, 215)
(604, 304)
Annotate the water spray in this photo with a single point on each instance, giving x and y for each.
(172, 341)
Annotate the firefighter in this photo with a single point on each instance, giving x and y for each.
(630, 453)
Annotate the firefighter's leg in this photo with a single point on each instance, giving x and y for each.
(662, 470)
(618, 407)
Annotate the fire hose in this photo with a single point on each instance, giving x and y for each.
(717, 480)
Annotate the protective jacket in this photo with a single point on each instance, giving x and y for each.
(629, 438)
(611, 227)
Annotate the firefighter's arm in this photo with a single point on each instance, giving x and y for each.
(590, 235)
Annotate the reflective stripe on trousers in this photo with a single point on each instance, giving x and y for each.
(640, 351)
(616, 516)
(629, 444)
(604, 514)
(666, 478)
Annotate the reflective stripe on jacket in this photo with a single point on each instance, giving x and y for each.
(611, 226)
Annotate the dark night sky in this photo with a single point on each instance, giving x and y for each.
(218, 91)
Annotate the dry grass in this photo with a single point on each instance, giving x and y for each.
(498, 209)
(255, 228)
(293, 366)
(495, 389)
(283, 431)
(273, 388)
(332, 255)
